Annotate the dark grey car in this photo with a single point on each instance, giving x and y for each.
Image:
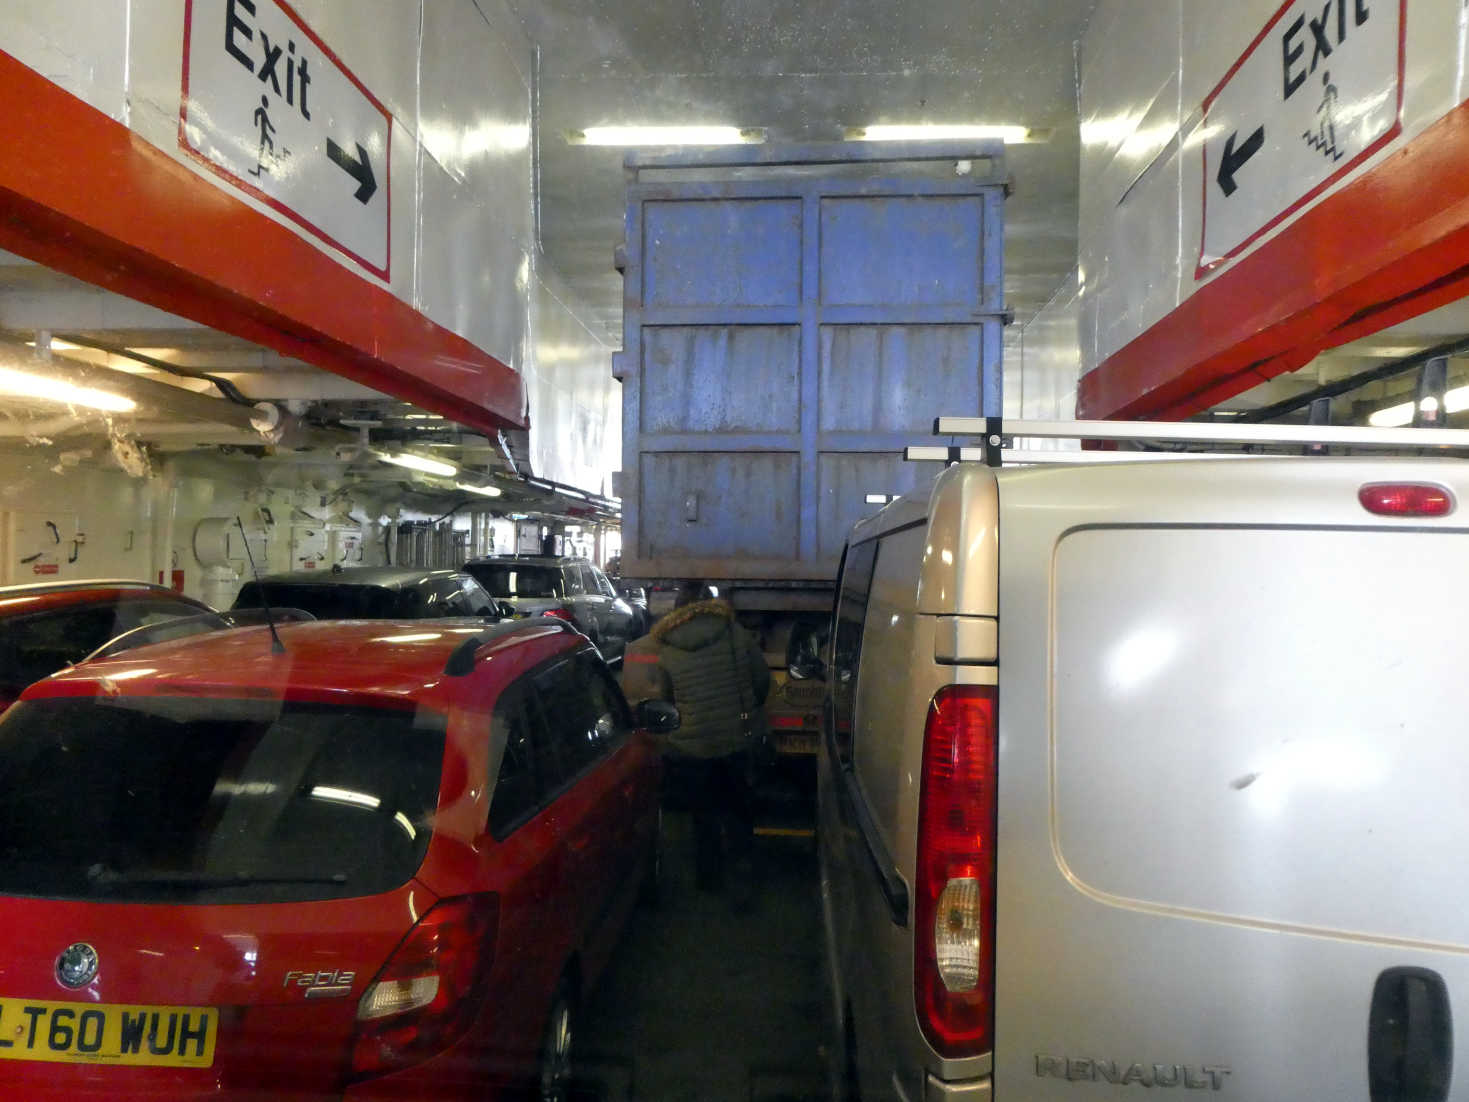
(572, 589)
(371, 593)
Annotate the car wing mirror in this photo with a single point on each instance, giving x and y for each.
(657, 717)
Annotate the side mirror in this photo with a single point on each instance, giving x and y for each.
(803, 656)
(505, 610)
(657, 717)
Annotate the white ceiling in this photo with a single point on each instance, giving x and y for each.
(804, 73)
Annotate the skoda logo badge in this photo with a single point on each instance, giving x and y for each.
(77, 966)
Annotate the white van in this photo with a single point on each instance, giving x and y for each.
(1144, 778)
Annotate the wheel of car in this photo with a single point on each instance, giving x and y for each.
(555, 1072)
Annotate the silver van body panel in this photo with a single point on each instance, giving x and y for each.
(1230, 778)
(1230, 774)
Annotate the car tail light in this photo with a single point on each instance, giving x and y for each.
(954, 935)
(559, 613)
(1406, 499)
(793, 723)
(429, 991)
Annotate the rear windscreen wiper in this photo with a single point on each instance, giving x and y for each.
(105, 877)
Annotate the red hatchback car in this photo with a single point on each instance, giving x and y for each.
(47, 626)
(385, 862)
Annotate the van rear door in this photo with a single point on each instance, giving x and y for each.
(1231, 782)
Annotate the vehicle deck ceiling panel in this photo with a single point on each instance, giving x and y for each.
(1286, 296)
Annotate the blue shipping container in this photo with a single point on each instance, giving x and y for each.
(793, 318)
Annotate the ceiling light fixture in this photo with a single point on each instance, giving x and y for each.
(419, 463)
(938, 132)
(21, 384)
(488, 491)
(666, 135)
(1394, 417)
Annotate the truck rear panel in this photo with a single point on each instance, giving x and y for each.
(792, 319)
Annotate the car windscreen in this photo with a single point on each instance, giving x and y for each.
(513, 579)
(205, 800)
(327, 600)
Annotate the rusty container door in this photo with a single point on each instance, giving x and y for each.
(792, 320)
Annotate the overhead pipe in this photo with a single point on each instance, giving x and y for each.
(147, 393)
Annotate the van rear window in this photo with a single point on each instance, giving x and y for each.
(159, 799)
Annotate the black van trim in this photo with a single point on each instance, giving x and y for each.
(894, 888)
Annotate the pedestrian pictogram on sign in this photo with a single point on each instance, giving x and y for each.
(268, 107)
(1316, 93)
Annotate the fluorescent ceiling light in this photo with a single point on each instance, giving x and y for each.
(877, 499)
(934, 132)
(488, 491)
(665, 135)
(21, 384)
(419, 463)
(58, 345)
(1393, 417)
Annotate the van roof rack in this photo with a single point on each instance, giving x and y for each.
(995, 432)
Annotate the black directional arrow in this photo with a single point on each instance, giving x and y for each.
(1233, 159)
(360, 169)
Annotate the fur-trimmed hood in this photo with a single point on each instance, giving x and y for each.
(701, 623)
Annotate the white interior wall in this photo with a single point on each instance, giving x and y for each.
(577, 439)
(1146, 68)
(1043, 360)
(456, 77)
(144, 527)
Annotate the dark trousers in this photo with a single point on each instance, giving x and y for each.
(717, 791)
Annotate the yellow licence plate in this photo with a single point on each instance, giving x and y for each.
(100, 1033)
(796, 744)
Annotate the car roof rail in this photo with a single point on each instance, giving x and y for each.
(93, 583)
(461, 661)
(996, 432)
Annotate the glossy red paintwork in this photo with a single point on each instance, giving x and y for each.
(27, 600)
(23, 600)
(564, 882)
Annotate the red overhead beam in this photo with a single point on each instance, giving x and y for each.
(82, 194)
(1385, 247)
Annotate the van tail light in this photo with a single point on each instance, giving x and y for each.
(1406, 499)
(431, 988)
(559, 613)
(954, 935)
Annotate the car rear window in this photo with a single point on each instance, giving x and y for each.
(166, 799)
(331, 601)
(519, 580)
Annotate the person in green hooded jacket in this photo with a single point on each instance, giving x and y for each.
(713, 670)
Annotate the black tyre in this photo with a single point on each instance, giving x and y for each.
(554, 1082)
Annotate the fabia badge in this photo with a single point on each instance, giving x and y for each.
(77, 966)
